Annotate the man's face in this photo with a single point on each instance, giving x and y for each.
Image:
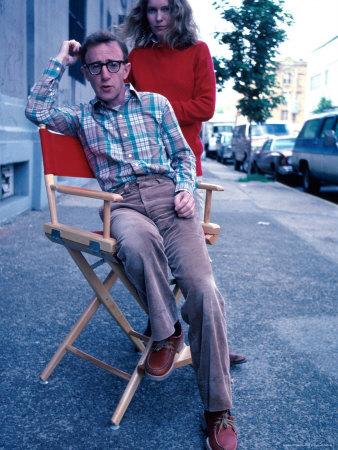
(108, 87)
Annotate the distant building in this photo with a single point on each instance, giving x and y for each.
(322, 75)
(291, 78)
(32, 31)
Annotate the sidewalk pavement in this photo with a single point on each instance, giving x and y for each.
(276, 263)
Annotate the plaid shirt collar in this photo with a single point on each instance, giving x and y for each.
(100, 106)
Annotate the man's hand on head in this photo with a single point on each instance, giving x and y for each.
(69, 52)
(184, 204)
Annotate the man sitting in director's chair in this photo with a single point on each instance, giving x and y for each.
(135, 147)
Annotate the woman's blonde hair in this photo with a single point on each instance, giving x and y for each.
(182, 31)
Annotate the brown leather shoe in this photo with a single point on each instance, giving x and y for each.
(160, 361)
(235, 358)
(222, 434)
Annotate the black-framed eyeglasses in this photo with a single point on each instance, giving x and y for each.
(95, 68)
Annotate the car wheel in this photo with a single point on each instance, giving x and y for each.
(246, 165)
(237, 165)
(274, 171)
(310, 184)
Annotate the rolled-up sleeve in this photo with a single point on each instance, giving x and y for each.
(40, 107)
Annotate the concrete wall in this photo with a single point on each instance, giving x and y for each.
(32, 32)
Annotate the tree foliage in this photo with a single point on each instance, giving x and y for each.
(254, 40)
(324, 104)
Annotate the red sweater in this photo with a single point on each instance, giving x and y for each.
(186, 78)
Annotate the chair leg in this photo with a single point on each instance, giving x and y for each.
(104, 296)
(177, 293)
(76, 330)
(130, 390)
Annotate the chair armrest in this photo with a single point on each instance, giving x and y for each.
(81, 192)
(207, 207)
(107, 197)
(80, 237)
(210, 187)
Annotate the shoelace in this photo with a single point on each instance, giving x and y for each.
(224, 421)
(162, 344)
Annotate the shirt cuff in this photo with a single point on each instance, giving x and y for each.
(55, 68)
(182, 186)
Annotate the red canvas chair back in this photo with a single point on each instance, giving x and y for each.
(63, 155)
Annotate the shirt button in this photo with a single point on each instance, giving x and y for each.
(125, 134)
(130, 155)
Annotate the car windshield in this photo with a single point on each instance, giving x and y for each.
(276, 129)
(284, 143)
(224, 128)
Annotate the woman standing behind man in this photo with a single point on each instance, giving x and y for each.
(169, 59)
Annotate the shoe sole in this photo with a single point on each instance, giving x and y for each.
(237, 363)
(168, 373)
(208, 445)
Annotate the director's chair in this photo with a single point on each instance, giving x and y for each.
(64, 156)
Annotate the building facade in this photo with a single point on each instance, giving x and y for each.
(322, 75)
(291, 79)
(32, 32)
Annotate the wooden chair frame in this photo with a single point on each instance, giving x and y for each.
(56, 147)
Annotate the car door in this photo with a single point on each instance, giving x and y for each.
(308, 146)
(264, 157)
(329, 150)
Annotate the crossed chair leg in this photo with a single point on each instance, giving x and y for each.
(102, 296)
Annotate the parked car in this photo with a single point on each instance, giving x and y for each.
(260, 133)
(315, 155)
(213, 134)
(274, 157)
(223, 147)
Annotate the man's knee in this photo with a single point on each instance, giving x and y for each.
(140, 244)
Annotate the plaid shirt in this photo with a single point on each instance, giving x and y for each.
(139, 137)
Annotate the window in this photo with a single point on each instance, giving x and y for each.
(315, 82)
(77, 31)
(239, 131)
(328, 124)
(109, 20)
(284, 114)
(267, 146)
(309, 130)
(286, 97)
(287, 78)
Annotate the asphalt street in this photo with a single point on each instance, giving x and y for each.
(276, 263)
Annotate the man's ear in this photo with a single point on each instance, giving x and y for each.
(127, 68)
(85, 73)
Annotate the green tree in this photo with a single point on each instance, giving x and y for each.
(253, 42)
(324, 104)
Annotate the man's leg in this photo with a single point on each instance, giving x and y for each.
(140, 248)
(203, 309)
